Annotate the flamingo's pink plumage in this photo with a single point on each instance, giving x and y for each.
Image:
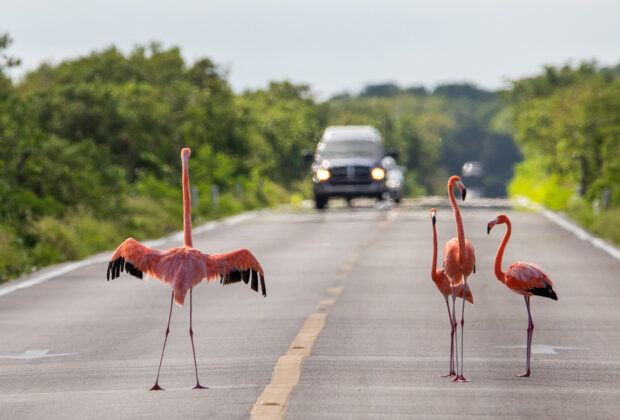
(184, 267)
(443, 285)
(524, 278)
(459, 261)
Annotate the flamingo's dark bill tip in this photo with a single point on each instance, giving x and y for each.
(464, 193)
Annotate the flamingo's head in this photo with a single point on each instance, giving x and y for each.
(455, 181)
(185, 152)
(502, 218)
(433, 216)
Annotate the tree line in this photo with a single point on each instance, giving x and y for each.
(567, 123)
(89, 150)
(89, 147)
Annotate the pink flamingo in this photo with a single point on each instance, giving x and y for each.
(443, 285)
(459, 260)
(523, 278)
(185, 267)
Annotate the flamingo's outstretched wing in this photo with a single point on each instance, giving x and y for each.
(134, 258)
(239, 265)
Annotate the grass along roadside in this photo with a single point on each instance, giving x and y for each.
(79, 233)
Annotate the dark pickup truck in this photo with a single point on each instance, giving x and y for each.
(350, 162)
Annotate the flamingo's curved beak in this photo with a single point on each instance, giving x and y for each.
(490, 225)
(433, 216)
(462, 189)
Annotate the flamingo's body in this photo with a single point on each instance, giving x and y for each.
(456, 265)
(185, 267)
(524, 278)
(459, 261)
(443, 285)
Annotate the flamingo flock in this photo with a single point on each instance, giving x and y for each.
(185, 267)
(459, 261)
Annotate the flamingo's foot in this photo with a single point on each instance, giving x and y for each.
(156, 387)
(449, 375)
(525, 374)
(460, 378)
(198, 386)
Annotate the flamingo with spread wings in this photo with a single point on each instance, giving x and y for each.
(524, 278)
(459, 261)
(185, 267)
(443, 285)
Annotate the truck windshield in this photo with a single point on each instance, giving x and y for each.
(350, 148)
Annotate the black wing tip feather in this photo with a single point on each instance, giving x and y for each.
(262, 285)
(234, 276)
(544, 292)
(115, 267)
(248, 276)
(254, 284)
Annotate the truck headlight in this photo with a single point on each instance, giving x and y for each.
(322, 174)
(377, 174)
(392, 183)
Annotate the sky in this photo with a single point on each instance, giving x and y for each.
(333, 46)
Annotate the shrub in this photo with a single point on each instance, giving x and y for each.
(12, 261)
(532, 181)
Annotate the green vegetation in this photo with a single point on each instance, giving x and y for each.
(567, 121)
(435, 133)
(89, 148)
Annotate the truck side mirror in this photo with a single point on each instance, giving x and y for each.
(308, 156)
(394, 153)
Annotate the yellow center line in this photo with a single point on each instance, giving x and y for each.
(273, 401)
(347, 267)
(326, 302)
(341, 276)
(335, 290)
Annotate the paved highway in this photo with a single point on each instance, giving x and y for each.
(77, 347)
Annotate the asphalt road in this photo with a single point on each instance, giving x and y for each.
(77, 347)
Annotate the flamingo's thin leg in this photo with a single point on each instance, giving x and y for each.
(460, 376)
(452, 373)
(191, 335)
(456, 341)
(530, 333)
(156, 387)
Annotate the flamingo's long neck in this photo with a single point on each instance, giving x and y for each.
(434, 263)
(187, 207)
(460, 233)
(501, 276)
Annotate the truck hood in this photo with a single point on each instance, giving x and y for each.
(352, 161)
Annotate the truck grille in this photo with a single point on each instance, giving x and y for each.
(350, 175)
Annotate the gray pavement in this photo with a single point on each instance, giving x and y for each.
(380, 354)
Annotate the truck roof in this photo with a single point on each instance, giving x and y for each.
(351, 132)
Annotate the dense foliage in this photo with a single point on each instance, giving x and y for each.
(435, 133)
(89, 148)
(567, 121)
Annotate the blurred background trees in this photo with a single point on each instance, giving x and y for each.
(567, 122)
(89, 147)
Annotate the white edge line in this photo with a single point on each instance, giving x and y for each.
(38, 279)
(571, 227)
